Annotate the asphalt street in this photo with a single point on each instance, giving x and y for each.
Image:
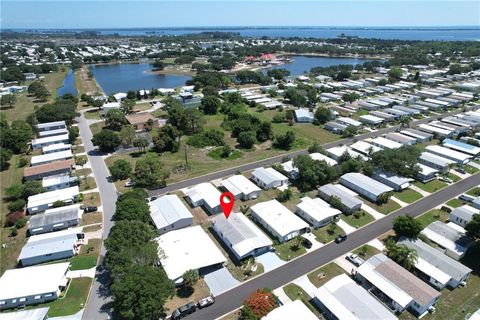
(234, 298)
(276, 159)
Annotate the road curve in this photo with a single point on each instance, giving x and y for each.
(234, 298)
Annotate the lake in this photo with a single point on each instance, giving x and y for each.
(114, 78)
(68, 84)
(302, 64)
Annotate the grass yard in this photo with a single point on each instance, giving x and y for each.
(431, 186)
(366, 253)
(294, 292)
(91, 218)
(93, 228)
(78, 149)
(74, 299)
(87, 184)
(87, 258)
(289, 250)
(217, 154)
(200, 290)
(408, 195)
(363, 219)
(91, 199)
(385, 208)
(471, 169)
(97, 127)
(431, 216)
(453, 177)
(323, 274)
(474, 192)
(324, 236)
(455, 203)
(92, 114)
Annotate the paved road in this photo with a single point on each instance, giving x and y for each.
(276, 159)
(97, 306)
(234, 298)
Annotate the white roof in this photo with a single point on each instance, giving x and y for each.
(32, 314)
(243, 235)
(340, 150)
(349, 121)
(167, 210)
(292, 310)
(187, 249)
(23, 282)
(432, 271)
(321, 157)
(451, 153)
(268, 175)
(433, 129)
(349, 301)
(364, 147)
(205, 191)
(238, 184)
(426, 170)
(385, 143)
(278, 217)
(446, 236)
(50, 157)
(54, 132)
(50, 124)
(52, 196)
(370, 118)
(55, 180)
(317, 208)
(52, 242)
(51, 139)
(56, 146)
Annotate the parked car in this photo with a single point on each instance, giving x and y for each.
(184, 310)
(355, 259)
(153, 198)
(129, 183)
(90, 209)
(340, 238)
(445, 179)
(205, 302)
(461, 170)
(307, 243)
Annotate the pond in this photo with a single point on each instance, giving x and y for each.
(302, 64)
(68, 84)
(114, 78)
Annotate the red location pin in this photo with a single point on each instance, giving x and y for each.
(227, 206)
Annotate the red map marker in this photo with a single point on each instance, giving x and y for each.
(227, 206)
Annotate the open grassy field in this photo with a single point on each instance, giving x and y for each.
(323, 274)
(85, 84)
(408, 195)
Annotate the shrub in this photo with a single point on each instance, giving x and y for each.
(17, 205)
(13, 217)
(22, 162)
(21, 223)
(13, 231)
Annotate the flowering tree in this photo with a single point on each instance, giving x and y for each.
(260, 303)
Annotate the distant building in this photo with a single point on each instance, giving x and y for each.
(303, 115)
(142, 121)
(169, 213)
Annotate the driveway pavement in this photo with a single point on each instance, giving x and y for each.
(270, 261)
(220, 280)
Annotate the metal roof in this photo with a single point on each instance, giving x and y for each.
(50, 243)
(167, 210)
(347, 199)
(365, 183)
(53, 216)
(268, 175)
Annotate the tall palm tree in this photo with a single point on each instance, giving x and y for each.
(401, 254)
(404, 122)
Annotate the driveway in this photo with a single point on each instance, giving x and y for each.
(270, 261)
(220, 280)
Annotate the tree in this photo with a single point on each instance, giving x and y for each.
(127, 106)
(148, 172)
(296, 98)
(97, 103)
(395, 74)
(76, 64)
(115, 119)
(58, 111)
(190, 278)
(42, 93)
(402, 161)
(158, 65)
(473, 227)
(278, 74)
(246, 140)
(120, 169)
(5, 156)
(322, 115)
(401, 254)
(264, 131)
(73, 133)
(127, 135)
(350, 131)
(406, 226)
(316, 148)
(141, 292)
(285, 195)
(106, 140)
(455, 69)
(312, 173)
(141, 143)
(404, 122)
(32, 187)
(132, 209)
(167, 139)
(260, 303)
(350, 97)
(14, 192)
(17, 136)
(285, 141)
(332, 228)
(8, 100)
(226, 151)
(17, 205)
(210, 104)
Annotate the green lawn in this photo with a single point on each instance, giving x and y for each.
(431, 186)
(363, 219)
(289, 250)
(385, 208)
(87, 258)
(92, 114)
(74, 299)
(408, 195)
(216, 154)
(453, 177)
(294, 292)
(455, 203)
(474, 192)
(431, 216)
(86, 184)
(368, 253)
(324, 274)
(470, 169)
(97, 127)
(324, 236)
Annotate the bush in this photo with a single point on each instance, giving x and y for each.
(22, 162)
(120, 169)
(285, 195)
(21, 223)
(13, 232)
(13, 217)
(211, 137)
(17, 205)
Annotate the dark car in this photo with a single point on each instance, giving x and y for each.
(307, 243)
(184, 310)
(340, 238)
(90, 209)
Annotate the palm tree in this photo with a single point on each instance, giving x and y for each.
(404, 122)
(401, 254)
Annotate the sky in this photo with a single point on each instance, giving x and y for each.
(195, 13)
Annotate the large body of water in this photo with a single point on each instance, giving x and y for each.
(114, 78)
(68, 85)
(303, 64)
(442, 34)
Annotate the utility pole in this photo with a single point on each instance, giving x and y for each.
(186, 156)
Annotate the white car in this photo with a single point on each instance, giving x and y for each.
(129, 183)
(205, 302)
(355, 259)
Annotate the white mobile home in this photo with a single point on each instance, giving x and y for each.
(51, 126)
(169, 213)
(365, 186)
(350, 203)
(462, 215)
(43, 142)
(459, 157)
(317, 212)
(58, 182)
(56, 148)
(453, 241)
(43, 201)
(54, 219)
(241, 187)
(51, 157)
(268, 178)
(206, 195)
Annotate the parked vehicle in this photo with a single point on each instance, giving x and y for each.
(355, 259)
(461, 170)
(129, 183)
(307, 243)
(90, 209)
(184, 310)
(445, 179)
(205, 302)
(153, 198)
(340, 238)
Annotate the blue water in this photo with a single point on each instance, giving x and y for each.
(303, 64)
(114, 78)
(442, 34)
(68, 84)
